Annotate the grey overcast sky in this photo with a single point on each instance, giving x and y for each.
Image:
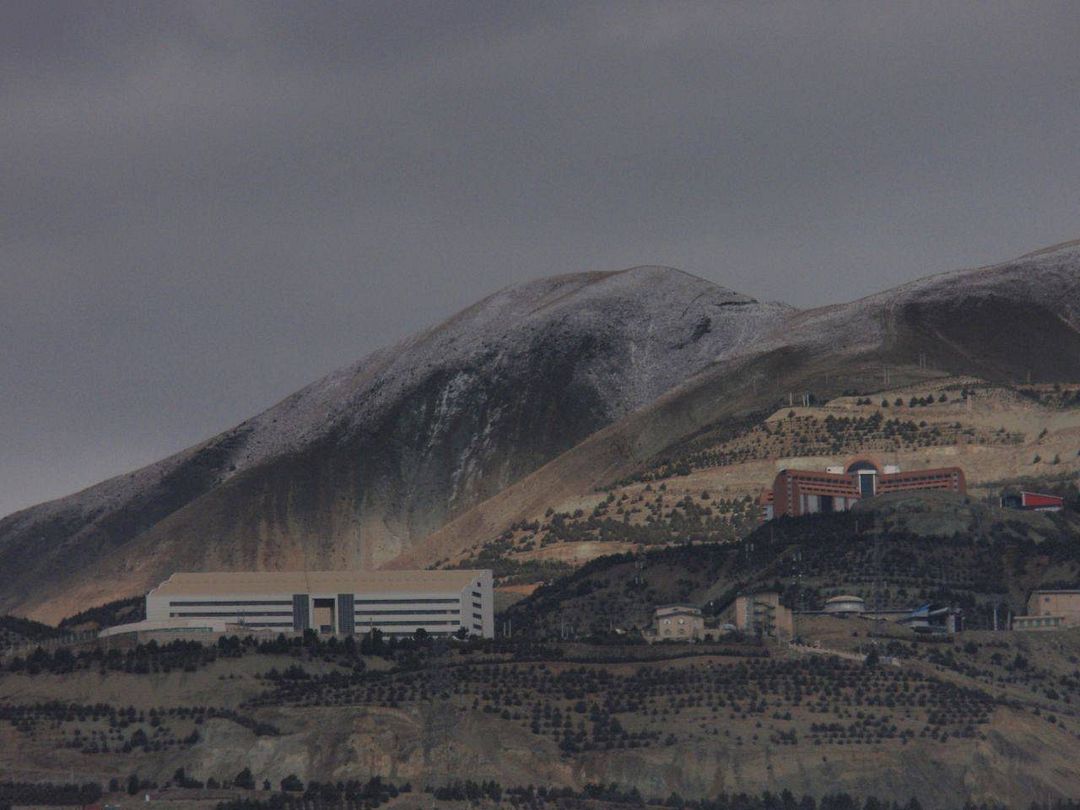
(204, 206)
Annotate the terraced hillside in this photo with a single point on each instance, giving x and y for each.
(546, 393)
(573, 697)
(700, 722)
(705, 489)
(359, 466)
(950, 329)
(895, 551)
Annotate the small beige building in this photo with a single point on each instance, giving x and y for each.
(1050, 610)
(762, 614)
(678, 623)
(845, 604)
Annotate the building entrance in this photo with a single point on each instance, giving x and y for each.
(324, 615)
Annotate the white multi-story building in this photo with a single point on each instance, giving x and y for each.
(329, 602)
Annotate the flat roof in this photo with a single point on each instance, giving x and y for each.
(680, 606)
(255, 582)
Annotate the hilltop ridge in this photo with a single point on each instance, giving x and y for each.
(538, 393)
(353, 469)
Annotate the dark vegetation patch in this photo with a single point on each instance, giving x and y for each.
(990, 557)
(41, 794)
(583, 708)
(102, 729)
(121, 611)
(813, 435)
(15, 630)
(1054, 396)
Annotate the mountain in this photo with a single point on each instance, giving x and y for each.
(1014, 322)
(356, 468)
(540, 393)
(912, 547)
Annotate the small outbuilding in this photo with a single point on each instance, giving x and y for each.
(1050, 609)
(678, 623)
(935, 620)
(761, 614)
(1032, 501)
(845, 605)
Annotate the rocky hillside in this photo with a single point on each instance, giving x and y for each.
(705, 488)
(1015, 322)
(897, 551)
(987, 718)
(354, 469)
(537, 394)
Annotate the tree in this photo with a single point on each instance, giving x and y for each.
(244, 779)
(372, 643)
(133, 785)
(292, 784)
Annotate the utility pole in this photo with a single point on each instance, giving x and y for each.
(878, 574)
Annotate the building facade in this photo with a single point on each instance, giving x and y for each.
(1032, 501)
(328, 602)
(935, 619)
(845, 605)
(678, 623)
(761, 614)
(1050, 610)
(837, 489)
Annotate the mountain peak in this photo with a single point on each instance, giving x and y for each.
(357, 467)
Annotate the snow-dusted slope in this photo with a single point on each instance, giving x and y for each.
(1046, 281)
(557, 385)
(1009, 322)
(357, 466)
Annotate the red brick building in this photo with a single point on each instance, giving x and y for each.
(803, 492)
(1032, 501)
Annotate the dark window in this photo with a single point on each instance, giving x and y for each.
(301, 612)
(866, 485)
(407, 601)
(428, 612)
(346, 614)
(230, 603)
(205, 614)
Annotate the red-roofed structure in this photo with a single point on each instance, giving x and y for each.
(802, 492)
(1034, 501)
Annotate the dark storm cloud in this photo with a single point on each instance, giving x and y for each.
(205, 206)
